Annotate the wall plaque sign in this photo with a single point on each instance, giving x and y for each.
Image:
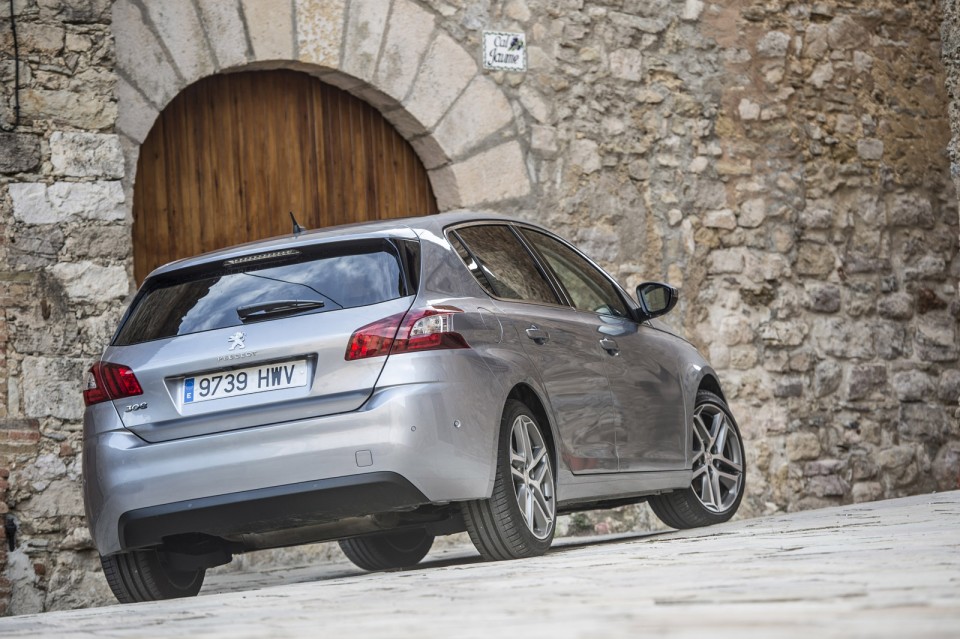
(504, 51)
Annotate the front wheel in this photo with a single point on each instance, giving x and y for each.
(385, 551)
(719, 470)
(518, 520)
(145, 575)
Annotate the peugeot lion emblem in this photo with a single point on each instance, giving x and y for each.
(236, 341)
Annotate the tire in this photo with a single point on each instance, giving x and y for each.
(385, 551)
(498, 527)
(719, 470)
(143, 575)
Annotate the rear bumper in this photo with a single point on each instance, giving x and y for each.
(437, 437)
(269, 509)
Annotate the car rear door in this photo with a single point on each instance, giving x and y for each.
(204, 368)
(641, 362)
(558, 340)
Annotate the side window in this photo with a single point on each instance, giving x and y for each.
(501, 264)
(587, 287)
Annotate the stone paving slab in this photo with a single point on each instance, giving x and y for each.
(885, 569)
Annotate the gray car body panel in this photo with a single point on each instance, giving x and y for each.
(431, 417)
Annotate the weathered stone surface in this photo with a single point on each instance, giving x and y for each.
(948, 390)
(479, 112)
(946, 467)
(140, 56)
(223, 24)
(922, 422)
(867, 491)
(445, 71)
(50, 388)
(407, 39)
(627, 64)
(320, 31)
(488, 177)
(773, 45)
(866, 381)
(89, 282)
(36, 203)
(937, 337)
(912, 386)
(178, 25)
(824, 298)
(19, 152)
(801, 446)
(86, 154)
(136, 113)
(271, 28)
(896, 306)
(366, 24)
(910, 211)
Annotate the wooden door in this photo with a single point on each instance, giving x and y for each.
(233, 154)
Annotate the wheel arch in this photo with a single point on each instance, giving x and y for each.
(709, 382)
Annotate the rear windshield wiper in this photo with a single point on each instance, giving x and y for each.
(276, 307)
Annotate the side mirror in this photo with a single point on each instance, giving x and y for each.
(656, 299)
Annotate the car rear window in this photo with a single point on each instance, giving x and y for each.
(341, 275)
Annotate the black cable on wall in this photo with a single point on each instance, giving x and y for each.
(16, 73)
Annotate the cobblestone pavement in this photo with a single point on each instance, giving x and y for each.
(885, 569)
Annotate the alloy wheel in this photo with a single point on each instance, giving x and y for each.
(718, 459)
(532, 476)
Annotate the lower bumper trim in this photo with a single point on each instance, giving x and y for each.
(270, 509)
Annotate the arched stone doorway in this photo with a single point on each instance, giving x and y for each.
(233, 153)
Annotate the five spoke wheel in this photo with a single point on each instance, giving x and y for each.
(718, 459)
(532, 476)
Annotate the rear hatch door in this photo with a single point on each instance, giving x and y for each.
(219, 347)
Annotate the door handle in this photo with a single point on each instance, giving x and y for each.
(538, 335)
(610, 346)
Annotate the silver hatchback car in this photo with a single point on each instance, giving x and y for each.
(381, 384)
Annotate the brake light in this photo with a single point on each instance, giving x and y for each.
(426, 329)
(110, 381)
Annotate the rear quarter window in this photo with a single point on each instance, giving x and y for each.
(342, 275)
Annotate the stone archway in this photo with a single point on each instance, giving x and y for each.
(389, 53)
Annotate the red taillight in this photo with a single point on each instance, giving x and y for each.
(421, 330)
(110, 381)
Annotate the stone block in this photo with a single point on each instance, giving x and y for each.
(824, 298)
(726, 261)
(627, 65)
(827, 486)
(892, 340)
(270, 25)
(630, 21)
(788, 388)
(783, 332)
(946, 466)
(692, 10)
(936, 337)
(895, 457)
(140, 56)
(227, 35)
(822, 75)
(773, 45)
(89, 282)
(752, 213)
(815, 259)
(406, 40)
(948, 390)
(866, 380)
(720, 219)
(802, 446)
(86, 154)
(80, 107)
(136, 114)
(922, 422)
(543, 141)
(178, 25)
(445, 71)
(478, 113)
(815, 218)
(320, 31)
(870, 149)
(51, 387)
(912, 386)
(60, 499)
(36, 203)
(19, 152)
(838, 337)
(896, 306)
(366, 23)
(494, 175)
(910, 210)
(867, 491)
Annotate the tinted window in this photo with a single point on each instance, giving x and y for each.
(502, 265)
(340, 276)
(587, 287)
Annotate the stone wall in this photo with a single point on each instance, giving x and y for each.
(783, 163)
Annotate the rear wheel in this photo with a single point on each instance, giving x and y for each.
(383, 551)
(145, 575)
(519, 518)
(719, 470)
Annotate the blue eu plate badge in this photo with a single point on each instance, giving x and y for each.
(188, 390)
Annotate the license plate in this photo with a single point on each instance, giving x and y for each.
(245, 381)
